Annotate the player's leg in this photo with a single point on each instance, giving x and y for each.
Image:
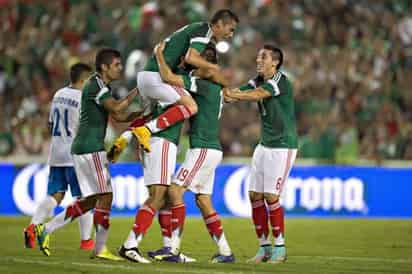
(158, 167)
(151, 85)
(259, 210)
(56, 188)
(86, 219)
(215, 228)
(277, 166)
(164, 219)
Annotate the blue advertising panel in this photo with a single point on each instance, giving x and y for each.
(328, 191)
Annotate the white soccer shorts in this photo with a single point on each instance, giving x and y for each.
(93, 173)
(270, 169)
(160, 163)
(151, 86)
(197, 172)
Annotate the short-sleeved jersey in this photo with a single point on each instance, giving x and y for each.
(205, 125)
(93, 117)
(277, 112)
(195, 35)
(63, 119)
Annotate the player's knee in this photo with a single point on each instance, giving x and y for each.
(175, 194)
(255, 196)
(58, 197)
(271, 198)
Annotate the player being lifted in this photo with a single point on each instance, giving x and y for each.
(63, 123)
(273, 158)
(187, 42)
(197, 172)
(159, 166)
(89, 155)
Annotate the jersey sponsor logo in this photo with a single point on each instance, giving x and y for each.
(335, 195)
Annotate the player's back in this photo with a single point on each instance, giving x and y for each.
(205, 125)
(196, 35)
(93, 118)
(64, 117)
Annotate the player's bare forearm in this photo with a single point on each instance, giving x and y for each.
(251, 95)
(194, 58)
(118, 106)
(218, 77)
(165, 72)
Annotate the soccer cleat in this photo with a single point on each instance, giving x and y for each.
(179, 258)
(218, 258)
(143, 135)
(132, 254)
(105, 254)
(117, 148)
(43, 239)
(164, 251)
(29, 237)
(263, 254)
(87, 244)
(278, 255)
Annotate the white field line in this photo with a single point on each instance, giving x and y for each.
(167, 269)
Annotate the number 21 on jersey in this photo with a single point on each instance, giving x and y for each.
(56, 129)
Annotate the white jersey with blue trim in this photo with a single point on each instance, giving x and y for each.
(64, 121)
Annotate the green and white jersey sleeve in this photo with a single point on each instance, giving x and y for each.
(103, 93)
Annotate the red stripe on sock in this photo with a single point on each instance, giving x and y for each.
(277, 217)
(165, 218)
(143, 220)
(178, 217)
(173, 115)
(260, 218)
(214, 225)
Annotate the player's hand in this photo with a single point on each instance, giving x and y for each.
(227, 97)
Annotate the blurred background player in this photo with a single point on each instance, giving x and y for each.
(89, 155)
(63, 123)
(187, 42)
(273, 158)
(198, 169)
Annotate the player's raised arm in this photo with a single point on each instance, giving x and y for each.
(194, 58)
(165, 72)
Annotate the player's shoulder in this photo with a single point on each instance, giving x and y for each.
(199, 27)
(95, 83)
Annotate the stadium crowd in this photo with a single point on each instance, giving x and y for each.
(350, 62)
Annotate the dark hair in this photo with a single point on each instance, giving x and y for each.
(225, 15)
(210, 53)
(277, 54)
(105, 56)
(77, 70)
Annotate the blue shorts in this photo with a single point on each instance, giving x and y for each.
(60, 177)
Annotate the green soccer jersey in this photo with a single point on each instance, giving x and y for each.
(205, 125)
(93, 117)
(277, 112)
(196, 35)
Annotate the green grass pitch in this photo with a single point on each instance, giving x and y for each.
(314, 246)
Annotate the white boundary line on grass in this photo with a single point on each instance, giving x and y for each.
(167, 269)
(106, 265)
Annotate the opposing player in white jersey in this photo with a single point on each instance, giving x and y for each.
(63, 122)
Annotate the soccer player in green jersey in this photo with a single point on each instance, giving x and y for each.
(273, 158)
(89, 155)
(198, 169)
(187, 42)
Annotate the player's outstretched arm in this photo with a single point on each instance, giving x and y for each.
(165, 72)
(248, 95)
(118, 106)
(126, 116)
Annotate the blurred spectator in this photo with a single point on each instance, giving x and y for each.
(350, 61)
